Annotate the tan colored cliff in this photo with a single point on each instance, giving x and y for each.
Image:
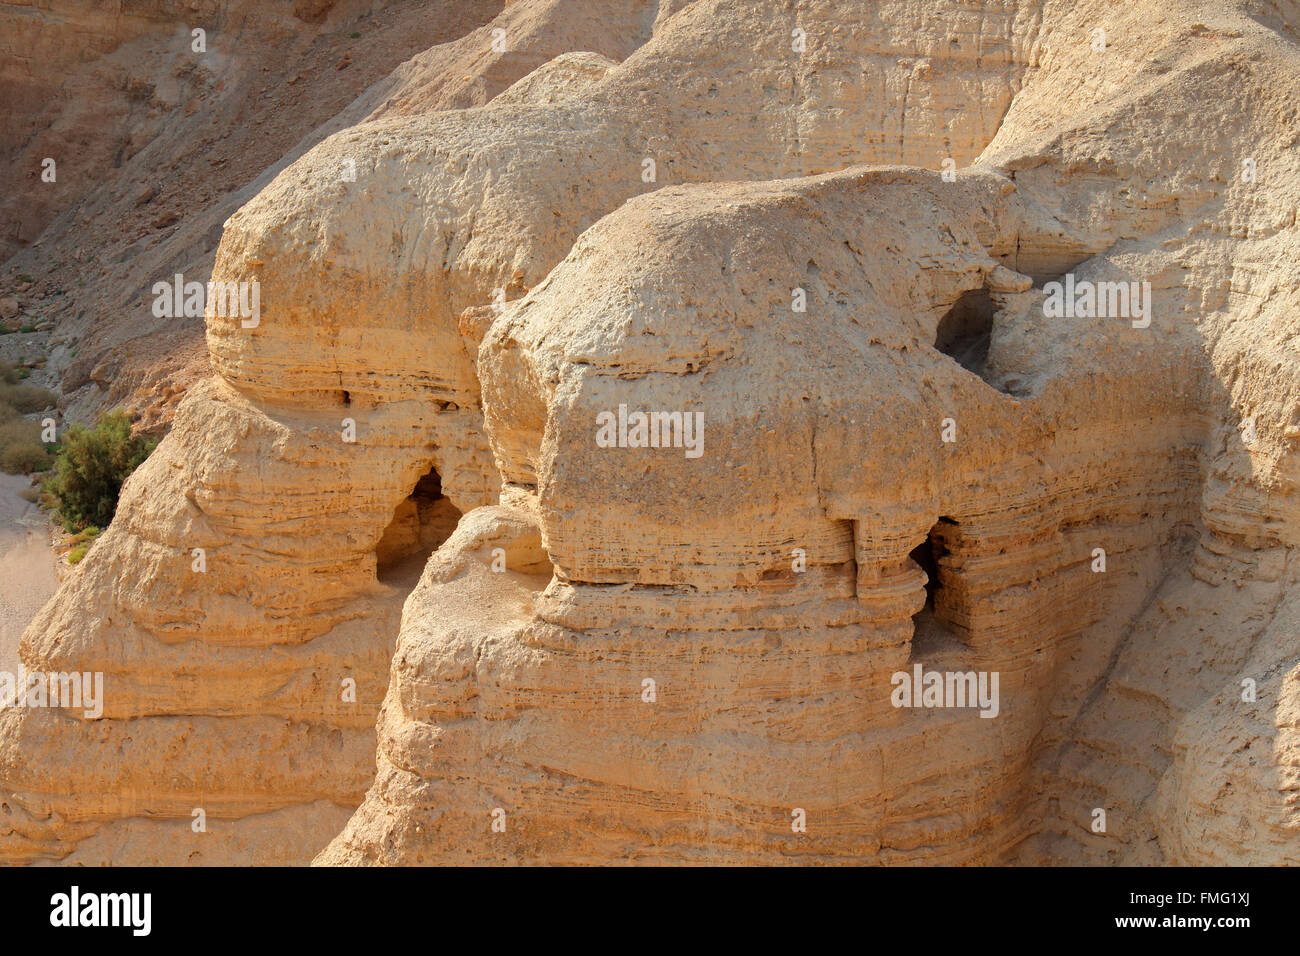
(498, 277)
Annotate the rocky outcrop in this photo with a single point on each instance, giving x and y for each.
(685, 651)
(771, 686)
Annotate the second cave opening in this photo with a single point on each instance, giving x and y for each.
(421, 522)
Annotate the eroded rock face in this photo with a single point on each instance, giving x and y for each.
(670, 653)
(784, 672)
(772, 686)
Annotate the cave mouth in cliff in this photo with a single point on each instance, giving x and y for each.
(933, 630)
(966, 331)
(927, 555)
(421, 522)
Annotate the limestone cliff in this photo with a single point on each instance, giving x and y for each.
(831, 231)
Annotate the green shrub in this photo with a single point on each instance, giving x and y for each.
(87, 534)
(77, 553)
(90, 468)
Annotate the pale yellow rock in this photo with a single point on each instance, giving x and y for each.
(647, 655)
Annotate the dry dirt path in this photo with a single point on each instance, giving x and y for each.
(27, 566)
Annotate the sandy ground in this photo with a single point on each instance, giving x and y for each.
(27, 566)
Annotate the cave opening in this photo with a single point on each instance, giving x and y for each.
(933, 628)
(927, 555)
(421, 522)
(966, 330)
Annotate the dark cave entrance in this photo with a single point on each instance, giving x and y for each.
(966, 331)
(927, 555)
(423, 521)
(934, 627)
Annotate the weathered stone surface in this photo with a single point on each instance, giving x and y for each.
(497, 277)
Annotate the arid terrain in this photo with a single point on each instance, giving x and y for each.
(661, 431)
(27, 566)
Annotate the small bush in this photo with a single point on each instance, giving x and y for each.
(87, 534)
(29, 494)
(79, 552)
(21, 450)
(24, 459)
(91, 466)
(16, 430)
(26, 398)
